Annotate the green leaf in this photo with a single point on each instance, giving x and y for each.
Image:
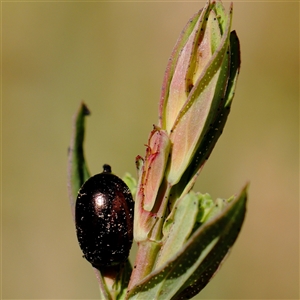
(131, 183)
(77, 169)
(227, 227)
(235, 64)
(178, 227)
(185, 275)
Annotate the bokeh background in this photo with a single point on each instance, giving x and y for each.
(113, 55)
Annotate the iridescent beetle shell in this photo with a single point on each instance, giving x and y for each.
(104, 219)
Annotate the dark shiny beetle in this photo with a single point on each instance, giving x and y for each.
(104, 219)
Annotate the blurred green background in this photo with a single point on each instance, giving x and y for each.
(113, 56)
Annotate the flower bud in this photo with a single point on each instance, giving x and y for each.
(150, 178)
(196, 85)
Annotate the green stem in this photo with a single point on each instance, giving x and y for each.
(149, 249)
(145, 259)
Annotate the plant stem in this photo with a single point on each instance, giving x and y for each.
(148, 249)
(145, 259)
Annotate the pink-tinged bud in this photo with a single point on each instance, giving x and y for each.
(154, 166)
(195, 88)
(179, 77)
(151, 176)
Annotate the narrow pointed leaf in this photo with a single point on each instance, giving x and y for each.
(180, 224)
(78, 172)
(209, 266)
(198, 260)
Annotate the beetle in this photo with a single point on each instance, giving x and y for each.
(104, 219)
